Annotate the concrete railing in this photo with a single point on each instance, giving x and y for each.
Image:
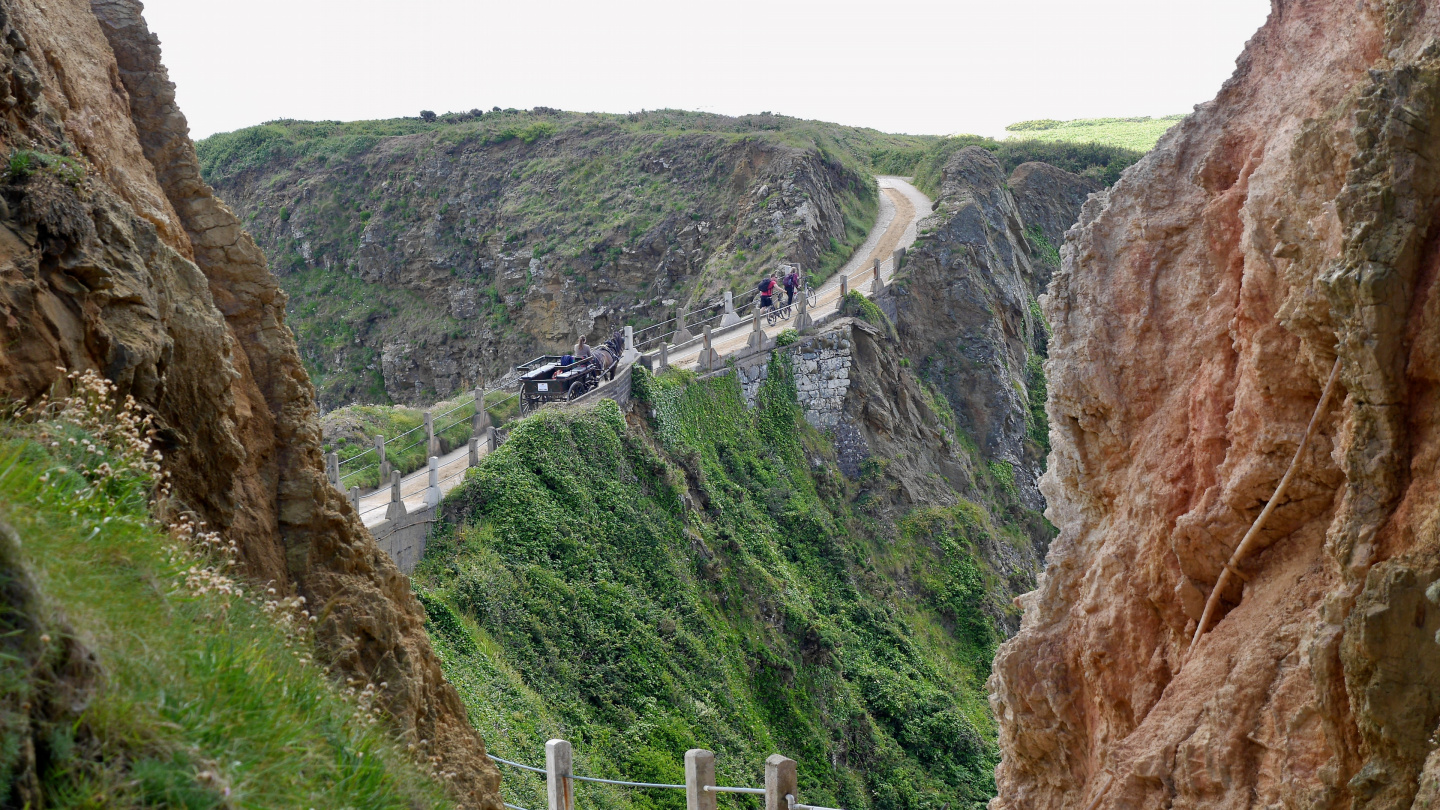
(781, 790)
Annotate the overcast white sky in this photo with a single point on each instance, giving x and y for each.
(918, 66)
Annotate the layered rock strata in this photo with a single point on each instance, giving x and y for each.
(1201, 305)
(963, 311)
(115, 256)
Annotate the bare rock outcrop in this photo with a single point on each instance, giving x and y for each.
(1049, 200)
(115, 256)
(963, 312)
(1200, 307)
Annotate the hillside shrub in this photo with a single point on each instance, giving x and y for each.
(141, 670)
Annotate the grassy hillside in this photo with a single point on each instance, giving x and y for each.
(487, 237)
(134, 672)
(1138, 134)
(1100, 161)
(707, 578)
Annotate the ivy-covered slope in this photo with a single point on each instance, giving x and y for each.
(701, 576)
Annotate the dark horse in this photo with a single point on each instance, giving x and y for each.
(606, 356)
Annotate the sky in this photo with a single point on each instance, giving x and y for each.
(914, 66)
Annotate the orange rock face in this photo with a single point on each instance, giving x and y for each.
(1201, 305)
(121, 260)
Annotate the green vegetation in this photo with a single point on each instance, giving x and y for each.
(24, 163)
(351, 431)
(201, 692)
(581, 194)
(1048, 254)
(856, 304)
(1100, 161)
(1037, 423)
(1137, 134)
(703, 579)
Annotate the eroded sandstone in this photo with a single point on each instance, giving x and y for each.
(1200, 306)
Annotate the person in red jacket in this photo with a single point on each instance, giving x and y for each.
(767, 289)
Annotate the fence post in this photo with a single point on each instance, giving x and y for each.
(729, 318)
(844, 288)
(682, 335)
(630, 355)
(879, 285)
(803, 320)
(355, 498)
(779, 782)
(396, 509)
(493, 437)
(664, 358)
(558, 785)
(757, 334)
(384, 462)
(709, 358)
(699, 772)
(432, 490)
(481, 419)
(474, 447)
(332, 469)
(897, 258)
(432, 447)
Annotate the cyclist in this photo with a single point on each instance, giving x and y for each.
(792, 283)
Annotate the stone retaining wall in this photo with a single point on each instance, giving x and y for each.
(822, 374)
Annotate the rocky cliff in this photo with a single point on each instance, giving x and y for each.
(964, 306)
(1282, 231)
(117, 258)
(423, 256)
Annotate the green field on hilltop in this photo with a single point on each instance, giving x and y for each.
(1139, 134)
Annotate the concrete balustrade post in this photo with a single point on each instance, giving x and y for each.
(803, 320)
(355, 498)
(559, 787)
(664, 361)
(432, 445)
(630, 354)
(699, 772)
(432, 488)
(493, 438)
(332, 469)
(481, 419)
(474, 448)
(757, 334)
(878, 286)
(709, 358)
(396, 509)
(682, 335)
(844, 287)
(729, 318)
(780, 782)
(385, 467)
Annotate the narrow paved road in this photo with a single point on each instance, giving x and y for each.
(902, 206)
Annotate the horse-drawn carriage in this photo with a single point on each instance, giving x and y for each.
(549, 378)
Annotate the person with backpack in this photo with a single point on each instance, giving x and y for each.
(792, 283)
(767, 289)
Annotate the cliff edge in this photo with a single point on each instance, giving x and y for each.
(1281, 231)
(116, 257)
